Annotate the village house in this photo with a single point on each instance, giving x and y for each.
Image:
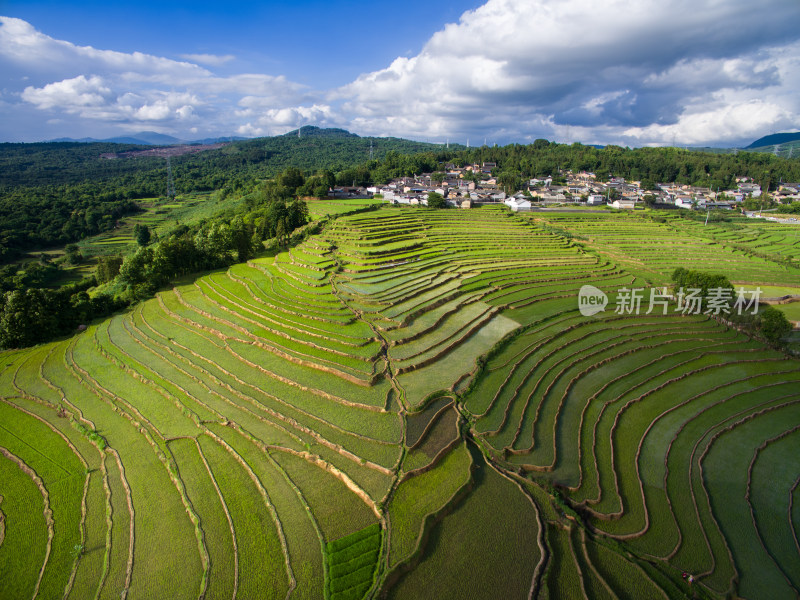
(464, 193)
(718, 204)
(350, 193)
(517, 204)
(595, 200)
(624, 203)
(750, 189)
(553, 197)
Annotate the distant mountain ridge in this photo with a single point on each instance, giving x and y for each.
(775, 139)
(149, 138)
(152, 138)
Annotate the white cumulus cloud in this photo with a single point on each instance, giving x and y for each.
(71, 95)
(615, 71)
(621, 71)
(125, 90)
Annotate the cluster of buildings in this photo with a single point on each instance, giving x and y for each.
(473, 185)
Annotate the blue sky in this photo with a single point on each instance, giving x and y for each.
(320, 43)
(635, 72)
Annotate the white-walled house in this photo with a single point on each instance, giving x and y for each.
(752, 189)
(626, 203)
(518, 204)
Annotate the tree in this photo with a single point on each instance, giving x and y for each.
(649, 200)
(773, 324)
(510, 181)
(242, 239)
(72, 254)
(292, 178)
(297, 214)
(280, 233)
(436, 200)
(647, 184)
(107, 268)
(141, 234)
(136, 273)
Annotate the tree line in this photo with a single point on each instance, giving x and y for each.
(31, 312)
(34, 315)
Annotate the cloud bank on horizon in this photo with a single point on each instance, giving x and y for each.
(634, 72)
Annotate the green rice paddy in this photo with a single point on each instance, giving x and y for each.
(409, 404)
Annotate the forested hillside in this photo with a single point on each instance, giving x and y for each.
(56, 193)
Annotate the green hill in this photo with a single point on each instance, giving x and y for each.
(774, 139)
(311, 131)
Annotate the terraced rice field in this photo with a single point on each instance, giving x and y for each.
(319, 208)
(765, 237)
(653, 250)
(406, 405)
(160, 216)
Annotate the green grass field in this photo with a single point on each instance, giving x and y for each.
(791, 310)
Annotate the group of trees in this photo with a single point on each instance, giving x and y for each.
(34, 309)
(689, 279)
(792, 209)
(34, 274)
(38, 218)
(32, 315)
(436, 200)
(274, 212)
(213, 245)
(768, 323)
